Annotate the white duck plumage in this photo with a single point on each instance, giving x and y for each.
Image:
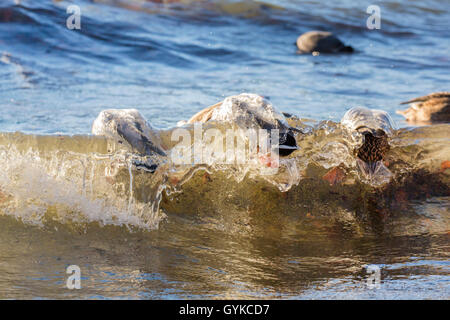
(128, 125)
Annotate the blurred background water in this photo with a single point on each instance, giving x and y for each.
(171, 60)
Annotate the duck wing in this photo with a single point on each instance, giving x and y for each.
(435, 95)
(205, 114)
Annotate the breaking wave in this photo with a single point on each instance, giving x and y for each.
(78, 180)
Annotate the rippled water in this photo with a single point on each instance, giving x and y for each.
(194, 261)
(184, 58)
(169, 61)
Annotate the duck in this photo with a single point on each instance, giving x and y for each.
(317, 42)
(129, 127)
(431, 108)
(375, 126)
(248, 110)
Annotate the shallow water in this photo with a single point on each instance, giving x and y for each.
(169, 61)
(184, 260)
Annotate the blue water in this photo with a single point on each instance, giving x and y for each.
(169, 61)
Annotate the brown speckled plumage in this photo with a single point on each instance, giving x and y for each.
(434, 107)
(374, 147)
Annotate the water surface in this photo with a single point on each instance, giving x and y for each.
(170, 61)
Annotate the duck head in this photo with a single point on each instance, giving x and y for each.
(375, 127)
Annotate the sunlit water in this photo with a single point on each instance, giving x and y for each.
(169, 61)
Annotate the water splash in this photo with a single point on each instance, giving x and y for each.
(83, 179)
(40, 186)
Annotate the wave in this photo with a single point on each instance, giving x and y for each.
(71, 180)
(78, 180)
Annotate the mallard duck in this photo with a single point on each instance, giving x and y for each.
(375, 126)
(129, 126)
(434, 107)
(250, 111)
(316, 42)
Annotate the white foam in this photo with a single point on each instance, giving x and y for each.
(79, 187)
